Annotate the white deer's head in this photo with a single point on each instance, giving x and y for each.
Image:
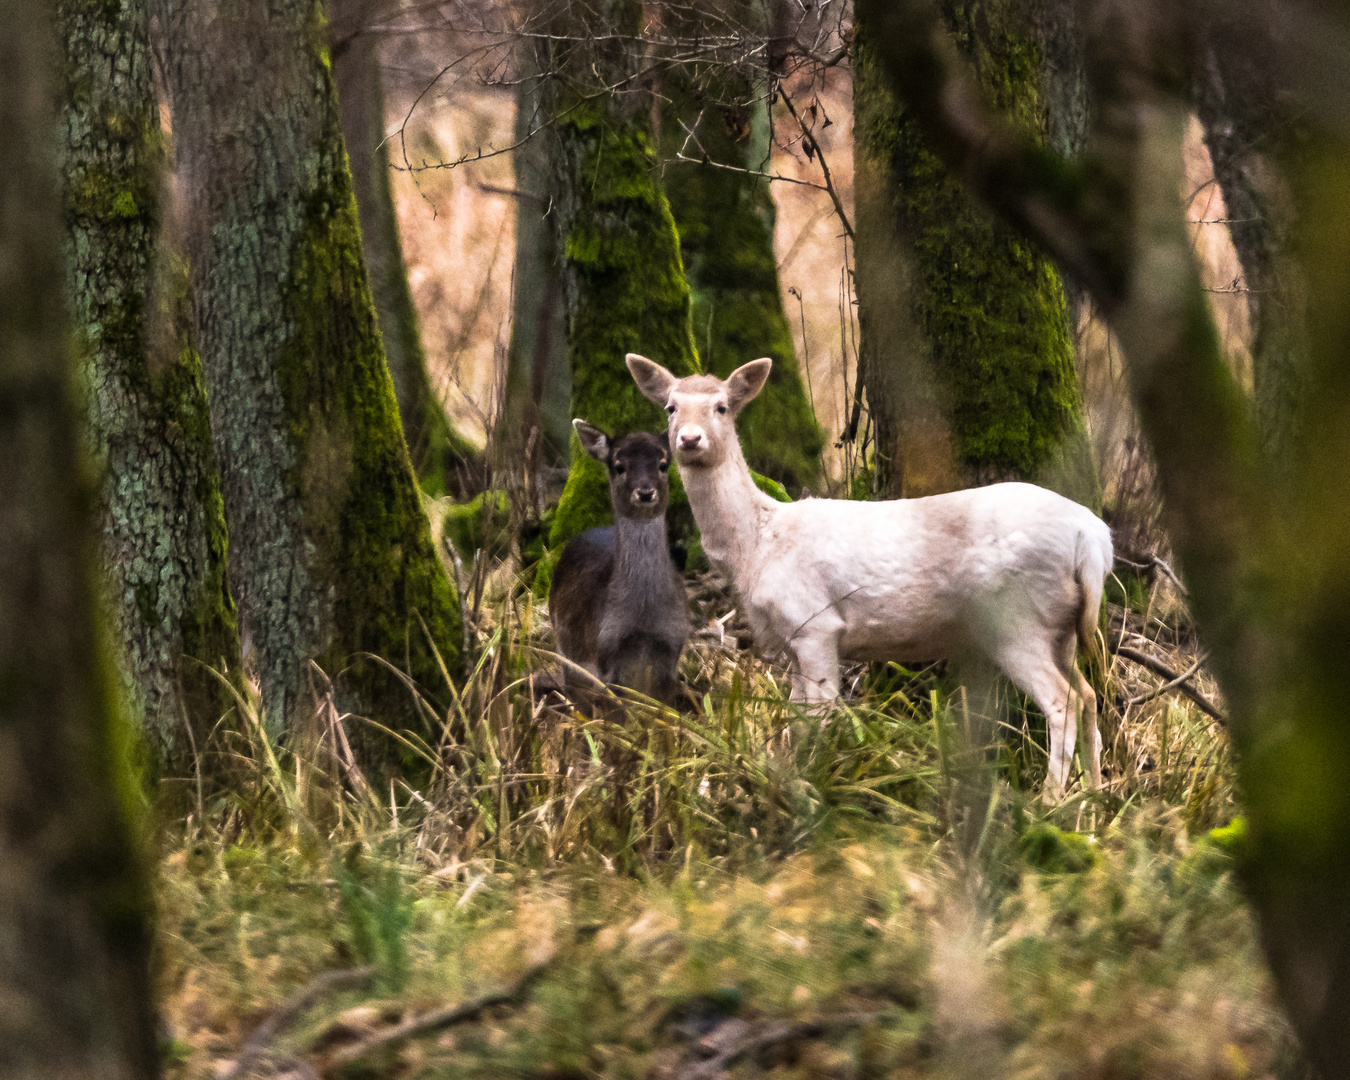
(702, 409)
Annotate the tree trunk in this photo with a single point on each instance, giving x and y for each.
(331, 548)
(1265, 553)
(74, 901)
(438, 451)
(538, 380)
(725, 221)
(981, 347)
(1248, 143)
(164, 537)
(624, 288)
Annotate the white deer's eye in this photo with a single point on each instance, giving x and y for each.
(721, 409)
(670, 410)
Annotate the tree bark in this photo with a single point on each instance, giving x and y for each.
(982, 346)
(1250, 144)
(330, 544)
(624, 288)
(164, 537)
(74, 901)
(1265, 556)
(439, 453)
(538, 379)
(725, 222)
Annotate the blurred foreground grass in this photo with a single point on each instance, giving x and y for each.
(738, 890)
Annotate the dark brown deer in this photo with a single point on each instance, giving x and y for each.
(618, 604)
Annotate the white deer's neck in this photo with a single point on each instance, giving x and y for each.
(729, 510)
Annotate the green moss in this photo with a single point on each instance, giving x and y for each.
(1055, 851)
(629, 295)
(725, 221)
(361, 509)
(989, 304)
(482, 523)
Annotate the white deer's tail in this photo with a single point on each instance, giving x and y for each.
(1093, 559)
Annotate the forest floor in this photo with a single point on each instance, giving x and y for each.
(736, 890)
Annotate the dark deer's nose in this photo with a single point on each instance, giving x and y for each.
(645, 495)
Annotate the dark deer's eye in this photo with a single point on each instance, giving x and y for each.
(670, 410)
(721, 408)
(619, 469)
(663, 466)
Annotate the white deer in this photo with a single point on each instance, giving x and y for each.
(1010, 573)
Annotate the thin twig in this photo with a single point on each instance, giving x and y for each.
(774, 1035)
(299, 1002)
(1159, 668)
(810, 138)
(438, 1019)
(1172, 684)
(1151, 562)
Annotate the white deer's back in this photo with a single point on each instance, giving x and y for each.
(917, 578)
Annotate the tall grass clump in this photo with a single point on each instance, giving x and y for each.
(736, 884)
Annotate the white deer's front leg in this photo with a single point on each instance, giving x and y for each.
(815, 675)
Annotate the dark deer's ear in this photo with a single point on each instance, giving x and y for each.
(652, 379)
(746, 382)
(594, 441)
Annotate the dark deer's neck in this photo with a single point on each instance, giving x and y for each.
(640, 549)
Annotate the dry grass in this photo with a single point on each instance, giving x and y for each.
(736, 884)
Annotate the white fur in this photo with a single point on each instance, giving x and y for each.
(1011, 572)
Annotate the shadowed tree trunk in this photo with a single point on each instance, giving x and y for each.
(538, 381)
(164, 538)
(726, 221)
(330, 545)
(972, 379)
(438, 451)
(1265, 556)
(1250, 142)
(624, 288)
(74, 901)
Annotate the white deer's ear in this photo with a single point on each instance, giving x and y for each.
(746, 382)
(652, 379)
(594, 441)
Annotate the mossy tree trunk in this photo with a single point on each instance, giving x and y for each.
(538, 380)
(1250, 141)
(624, 288)
(972, 378)
(74, 899)
(726, 221)
(330, 544)
(438, 451)
(164, 537)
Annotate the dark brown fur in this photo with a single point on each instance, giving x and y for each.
(617, 603)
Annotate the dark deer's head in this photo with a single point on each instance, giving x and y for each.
(639, 467)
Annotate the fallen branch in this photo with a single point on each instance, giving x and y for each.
(291, 1009)
(437, 1020)
(774, 1035)
(1175, 680)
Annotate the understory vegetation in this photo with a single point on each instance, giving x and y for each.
(735, 889)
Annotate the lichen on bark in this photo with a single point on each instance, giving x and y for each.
(333, 547)
(162, 522)
(992, 357)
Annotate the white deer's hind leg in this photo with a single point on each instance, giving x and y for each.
(1037, 674)
(1084, 698)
